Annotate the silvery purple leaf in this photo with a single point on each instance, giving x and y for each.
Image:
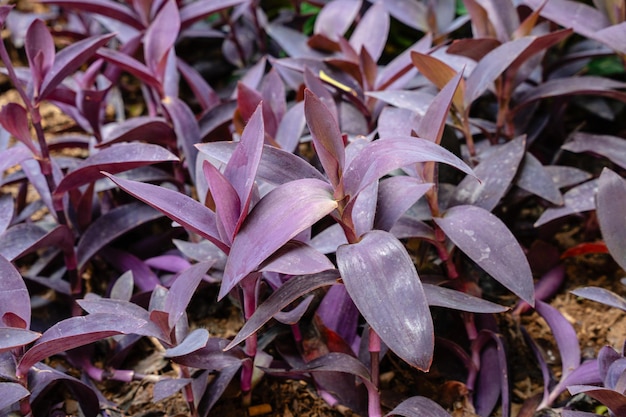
(227, 202)
(110, 226)
(290, 127)
(566, 176)
(12, 392)
(278, 217)
(382, 297)
(336, 17)
(114, 159)
(123, 286)
(412, 14)
(182, 290)
(457, 300)
(534, 178)
(329, 239)
(416, 101)
(496, 172)
(383, 156)
(294, 315)
(7, 210)
(610, 202)
(432, 124)
(216, 389)
(565, 337)
(214, 356)
(372, 31)
(289, 292)
(69, 60)
(601, 295)
(418, 407)
(195, 340)
(341, 362)
(397, 122)
(167, 387)
(12, 338)
(160, 37)
(138, 128)
(296, 258)
(408, 227)
(192, 12)
(14, 296)
(611, 147)
(75, 332)
(363, 209)
(292, 41)
(485, 239)
(25, 238)
(13, 156)
(577, 200)
(493, 380)
(395, 196)
(178, 207)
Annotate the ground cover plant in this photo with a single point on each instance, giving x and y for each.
(369, 184)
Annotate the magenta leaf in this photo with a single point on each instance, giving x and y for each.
(565, 336)
(69, 60)
(418, 407)
(78, 331)
(432, 124)
(114, 159)
(383, 297)
(289, 292)
(39, 48)
(611, 147)
(14, 296)
(160, 37)
(227, 202)
(182, 290)
(485, 239)
(139, 128)
(326, 137)
(496, 172)
(576, 200)
(129, 64)
(178, 207)
(12, 337)
(457, 300)
(110, 226)
(278, 217)
(382, 156)
(610, 201)
(12, 392)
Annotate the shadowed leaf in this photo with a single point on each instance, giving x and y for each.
(12, 392)
(610, 201)
(14, 296)
(418, 407)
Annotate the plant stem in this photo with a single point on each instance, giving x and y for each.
(248, 285)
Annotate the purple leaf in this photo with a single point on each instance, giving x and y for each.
(565, 337)
(296, 258)
(108, 8)
(576, 200)
(139, 128)
(487, 241)
(12, 392)
(160, 37)
(339, 314)
(202, 91)
(13, 156)
(114, 159)
(534, 178)
(194, 341)
(341, 362)
(493, 380)
(278, 217)
(244, 161)
(12, 338)
(418, 407)
(167, 387)
(610, 201)
(290, 127)
(457, 300)
(122, 288)
(326, 137)
(411, 13)
(292, 41)
(383, 297)
(372, 31)
(227, 203)
(129, 64)
(614, 400)
(69, 60)
(213, 356)
(110, 226)
(492, 66)
(395, 196)
(25, 238)
(289, 292)
(14, 118)
(186, 128)
(335, 18)
(78, 331)
(496, 171)
(329, 239)
(144, 277)
(294, 315)
(195, 11)
(14, 296)
(182, 290)
(7, 210)
(610, 147)
(39, 47)
(432, 124)
(382, 156)
(169, 263)
(401, 70)
(178, 207)
(601, 295)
